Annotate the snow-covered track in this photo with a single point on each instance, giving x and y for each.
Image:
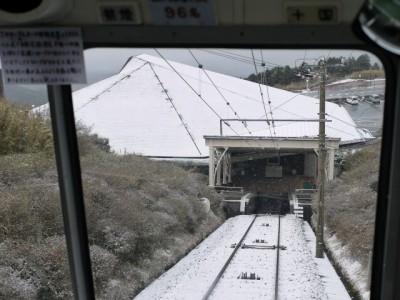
(237, 246)
(253, 253)
(252, 272)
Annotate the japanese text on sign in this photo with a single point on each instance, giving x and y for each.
(119, 13)
(42, 56)
(182, 12)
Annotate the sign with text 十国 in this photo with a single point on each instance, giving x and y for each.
(182, 12)
(42, 56)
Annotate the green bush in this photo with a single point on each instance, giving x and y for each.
(22, 131)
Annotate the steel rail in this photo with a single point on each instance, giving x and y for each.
(215, 282)
(276, 297)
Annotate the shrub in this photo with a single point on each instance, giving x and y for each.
(139, 217)
(351, 202)
(88, 141)
(22, 131)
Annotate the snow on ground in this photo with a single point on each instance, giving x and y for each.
(333, 286)
(350, 267)
(301, 275)
(191, 277)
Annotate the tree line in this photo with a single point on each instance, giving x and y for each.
(337, 67)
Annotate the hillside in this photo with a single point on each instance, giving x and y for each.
(142, 216)
(350, 215)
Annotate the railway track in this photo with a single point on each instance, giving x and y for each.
(229, 272)
(251, 269)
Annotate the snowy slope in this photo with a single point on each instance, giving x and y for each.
(155, 110)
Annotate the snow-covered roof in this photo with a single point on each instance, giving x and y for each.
(154, 109)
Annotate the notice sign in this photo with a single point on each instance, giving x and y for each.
(182, 12)
(42, 56)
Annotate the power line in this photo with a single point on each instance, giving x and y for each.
(262, 98)
(273, 108)
(205, 102)
(261, 93)
(223, 97)
(226, 101)
(235, 57)
(249, 58)
(266, 85)
(176, 110)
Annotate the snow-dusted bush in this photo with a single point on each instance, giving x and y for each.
(350, 214)
(140, 222)
(12, 286)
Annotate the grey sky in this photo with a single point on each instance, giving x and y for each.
(111, 60)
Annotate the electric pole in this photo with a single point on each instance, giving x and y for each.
(319, 253)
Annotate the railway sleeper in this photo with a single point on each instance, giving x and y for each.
(272, 247)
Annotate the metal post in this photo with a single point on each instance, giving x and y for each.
(69, 176)
(319, 253)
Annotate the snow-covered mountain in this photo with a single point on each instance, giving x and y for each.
(159, 108)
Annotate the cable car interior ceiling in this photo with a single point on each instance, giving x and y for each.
(166, 23)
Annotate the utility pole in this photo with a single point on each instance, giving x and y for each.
(319, 253)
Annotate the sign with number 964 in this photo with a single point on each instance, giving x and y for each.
(182, 12)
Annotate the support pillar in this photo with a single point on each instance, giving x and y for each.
(229, 164)
(331, 164)
(211, 167)
(224, 169)
(219, 167)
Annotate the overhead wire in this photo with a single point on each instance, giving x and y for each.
(266, 85)
(261, 93)
(205, 102)
(235, 57)
(262, 98)
(226, 101)
(218, 90)
(175, 109)
(272, 109)
(249, 58)
(329, 115)
(191, 88)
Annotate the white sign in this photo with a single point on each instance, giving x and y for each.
(42, 56)
(182, 12)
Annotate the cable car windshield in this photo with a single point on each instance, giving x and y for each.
(179, 150)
